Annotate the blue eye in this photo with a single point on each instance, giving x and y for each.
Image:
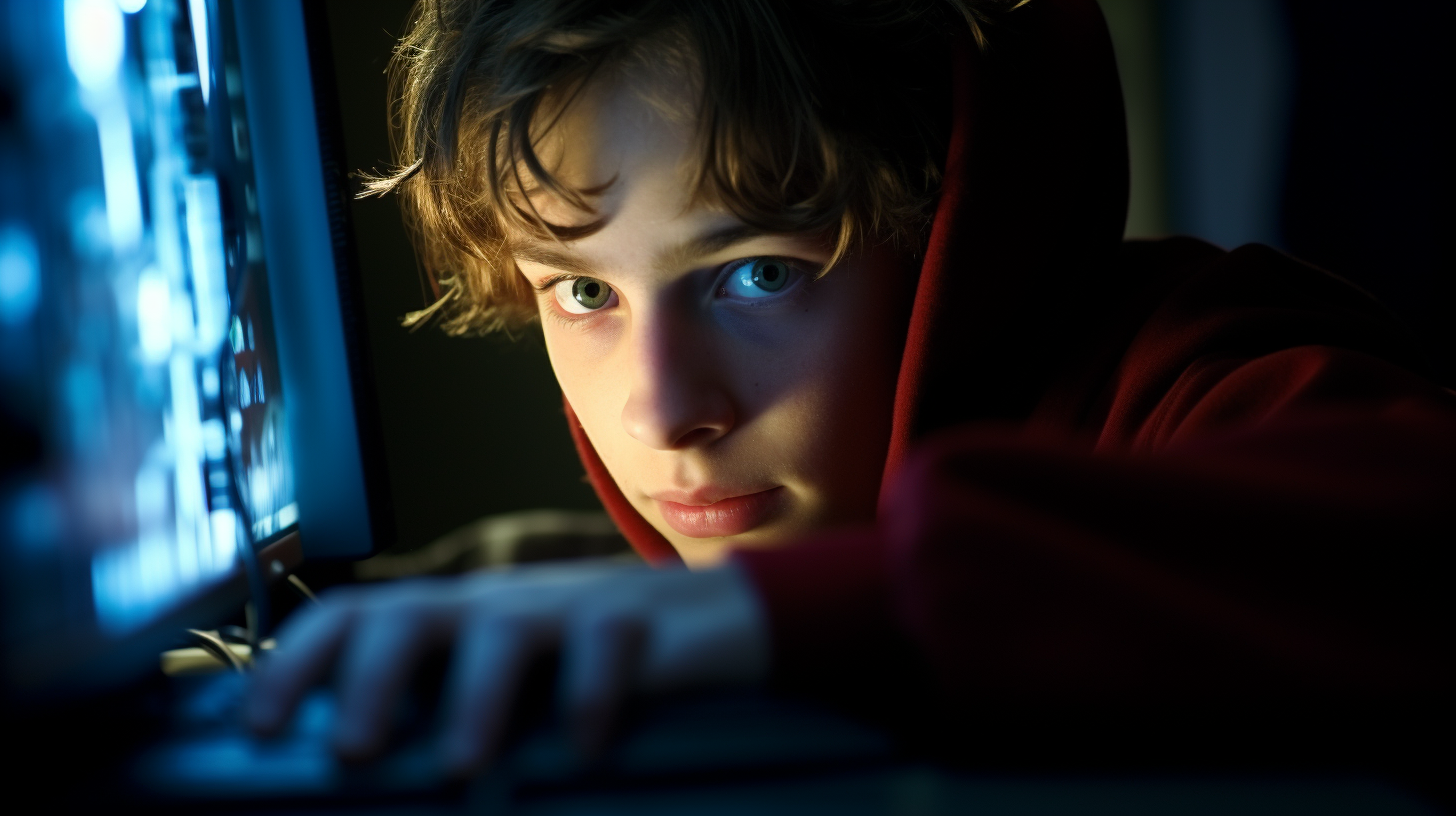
(758, 278)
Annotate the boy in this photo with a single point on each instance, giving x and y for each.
(840, 312)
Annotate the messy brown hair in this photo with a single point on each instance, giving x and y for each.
(813, 116)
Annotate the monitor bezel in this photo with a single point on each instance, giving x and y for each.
(304, 200)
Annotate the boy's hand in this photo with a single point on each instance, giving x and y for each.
(620, 629)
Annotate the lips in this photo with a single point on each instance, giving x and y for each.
(724, 517)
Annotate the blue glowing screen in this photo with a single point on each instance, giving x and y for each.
(140, 399)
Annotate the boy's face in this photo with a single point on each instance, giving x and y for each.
(736, 401)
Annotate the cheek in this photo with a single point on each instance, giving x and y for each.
(583, 359)
(825, 373)
(857, 395)
(847, 402)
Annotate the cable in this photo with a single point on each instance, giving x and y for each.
(234, 634)
(214, 645)
(298, 584)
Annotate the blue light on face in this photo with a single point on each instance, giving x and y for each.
(19, 275)
(758, 278)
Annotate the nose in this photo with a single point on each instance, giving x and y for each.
(678, 398)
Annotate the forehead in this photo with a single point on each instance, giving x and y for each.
(624, 135)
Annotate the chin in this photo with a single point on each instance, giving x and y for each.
(699, 553)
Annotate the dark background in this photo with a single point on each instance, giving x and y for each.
(1320, 127)
(1316, 126)
(473, 426)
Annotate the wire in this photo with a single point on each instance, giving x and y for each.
(214, 645)
(298, 584)
(234, 634)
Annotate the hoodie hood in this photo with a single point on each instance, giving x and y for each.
(1025, 235)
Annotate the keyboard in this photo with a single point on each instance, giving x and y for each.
(720, 753)
(208, 755)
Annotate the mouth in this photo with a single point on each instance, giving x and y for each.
(724, 517)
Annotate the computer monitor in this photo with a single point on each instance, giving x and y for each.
(183, 374)
(304, 195)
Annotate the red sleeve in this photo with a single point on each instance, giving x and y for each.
(1267, 525)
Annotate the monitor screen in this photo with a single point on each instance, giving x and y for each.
(144, 409)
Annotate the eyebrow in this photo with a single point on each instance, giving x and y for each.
(688, 252)
(680, 256)
(552, 257)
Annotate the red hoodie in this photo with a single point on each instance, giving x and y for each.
(1120, 471)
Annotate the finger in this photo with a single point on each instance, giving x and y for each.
(307, 645)
(382, 654)
(491, 658)
(600, 665)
